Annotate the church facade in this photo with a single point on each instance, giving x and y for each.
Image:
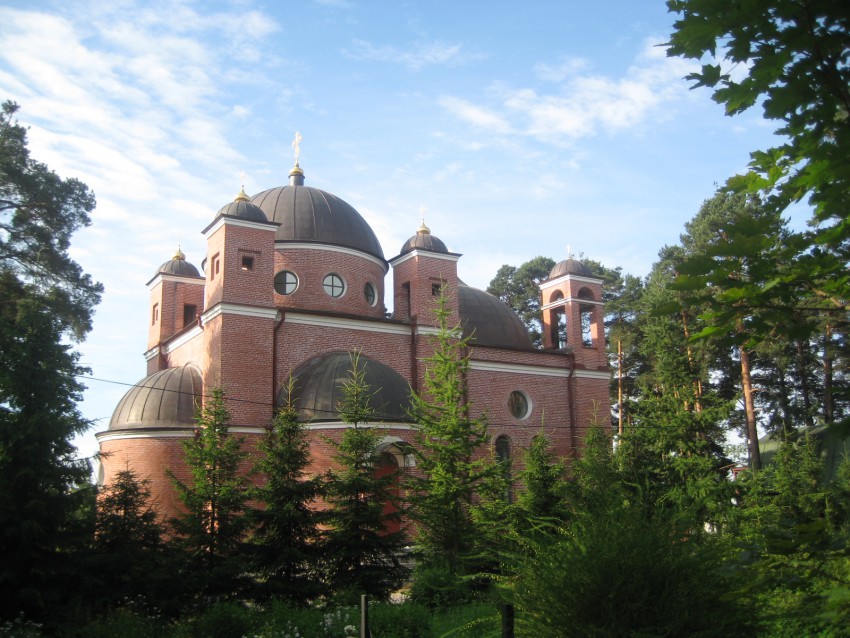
(293, 281)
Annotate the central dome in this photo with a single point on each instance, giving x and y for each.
(308, 214)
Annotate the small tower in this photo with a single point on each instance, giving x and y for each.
(240, 314)
(424, 268)
(571, 301)
(176, 301)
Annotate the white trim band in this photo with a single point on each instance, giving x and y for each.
(344, 323)
(423, 253)
(238, 309)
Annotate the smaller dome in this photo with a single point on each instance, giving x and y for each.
(167, 398)
(243, 209)
(319, 388)
(570, 267)
(423, 240)
(178, 265)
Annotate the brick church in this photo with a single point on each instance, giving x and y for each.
(293, 280)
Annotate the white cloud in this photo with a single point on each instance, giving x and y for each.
(585, 104)
(477, 115)
(422, 55)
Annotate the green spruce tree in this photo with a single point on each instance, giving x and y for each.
(286, 538)
(214, 526)
(452, 458)
(362, 551)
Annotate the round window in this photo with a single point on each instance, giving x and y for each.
(285, 282)
(334, 285)
(370, 294)
(519, 404)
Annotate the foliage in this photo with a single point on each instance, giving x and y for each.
(362, 552)
(214, 525)
(630, 570)
(517, 287)
(286, 536)
(39, 212)
(543, 478)
(795, 530)
(130, 558)
(451, 456)
(791, 58)
(44, 298)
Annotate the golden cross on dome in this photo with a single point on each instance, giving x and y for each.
(569, 252)
(296, 145)
(422, 210)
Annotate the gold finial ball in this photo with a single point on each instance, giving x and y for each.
(242, 196)
(423, 229)
(179, 255)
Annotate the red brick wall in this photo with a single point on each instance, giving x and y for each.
(311, 266)
(419, 274)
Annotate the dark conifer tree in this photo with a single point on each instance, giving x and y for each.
(286, 538)
(363, 553)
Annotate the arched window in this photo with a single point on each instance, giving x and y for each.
(558, 321)
(586, 317)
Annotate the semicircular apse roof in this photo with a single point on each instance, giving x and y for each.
(488, 321)
(165, 399)
(319, 388)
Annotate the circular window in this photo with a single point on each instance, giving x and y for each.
(519, 405)
(370, 294)
(334, 285)
(285, 282)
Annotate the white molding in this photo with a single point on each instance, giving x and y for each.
(159, 277)
(238, 309)
(592, 374)
(183, 339)
(395, 261)
(345, 250)
(337, 425)
(566, 300)
(345, 323)
(153, 352)
(518, 368)
(225, 220)
(551, 282)
(184, 432)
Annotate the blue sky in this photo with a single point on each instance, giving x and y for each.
(521, 128)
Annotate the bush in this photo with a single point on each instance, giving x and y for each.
(407, 620)
(439, 588)
(223, 620)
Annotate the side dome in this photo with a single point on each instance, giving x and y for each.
(178, 265)
(306, 214)
(319, 388)
(243, 210)
(487, 321)
(424, 240)
(570, 267)
(165, 399)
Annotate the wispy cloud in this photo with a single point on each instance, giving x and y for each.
(479, 116)
(421, 55)
(584, 103)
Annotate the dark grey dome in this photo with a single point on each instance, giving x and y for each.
(319, 388)
(424, 241)
(243, 210)
(178, 265)
(489, 322)
(164, 399)
(570, 267)
(312, 215)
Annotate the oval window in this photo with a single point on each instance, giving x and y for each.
(370, 294)
(519, 404)
(333, 285)
(285, 282)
